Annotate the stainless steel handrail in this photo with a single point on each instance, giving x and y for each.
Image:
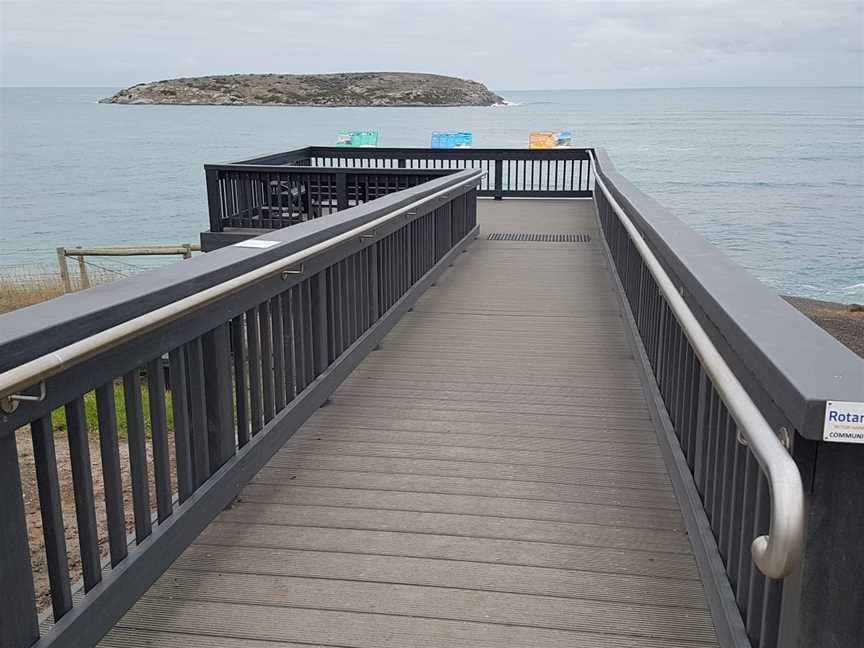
(778, 553)
(50, 364)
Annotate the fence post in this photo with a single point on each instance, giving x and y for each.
(82, 271)
(211, 177)
(18, 622)
(499, 178)
(64, 269)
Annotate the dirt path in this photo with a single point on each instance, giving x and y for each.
(34, 518)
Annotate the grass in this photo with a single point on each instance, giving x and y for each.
(58, 416)
(22, 286)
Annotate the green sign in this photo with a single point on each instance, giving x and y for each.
(357, 138)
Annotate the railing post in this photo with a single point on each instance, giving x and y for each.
(214, 207)
(217, 385)
(499, 178)
(18, 622)
(818, 606)
(341, 190)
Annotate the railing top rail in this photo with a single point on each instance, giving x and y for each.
(798, 364)
(778, 553)
(312, 170)
(574, 153)
(36, 333)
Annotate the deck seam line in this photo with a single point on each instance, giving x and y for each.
(460, 535)
(561, 597)
(378, 472)
(447, 619)
(244, 500)
(294, 484)
(244, 545)
(293, 451)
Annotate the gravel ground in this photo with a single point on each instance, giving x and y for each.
(843, 321)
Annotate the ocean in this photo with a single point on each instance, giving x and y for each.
(772, 176)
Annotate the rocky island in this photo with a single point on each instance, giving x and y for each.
(348, 89)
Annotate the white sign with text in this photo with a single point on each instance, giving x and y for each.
(844, 422)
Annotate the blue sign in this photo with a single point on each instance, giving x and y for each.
(452, 140)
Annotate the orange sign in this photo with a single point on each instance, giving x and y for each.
(541, 140)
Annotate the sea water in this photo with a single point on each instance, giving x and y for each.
(773, 176)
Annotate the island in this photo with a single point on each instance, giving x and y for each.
(337, 90)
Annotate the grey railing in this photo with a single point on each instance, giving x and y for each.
(739, 466)
(266, 196)
(239, 346)
(510, 173)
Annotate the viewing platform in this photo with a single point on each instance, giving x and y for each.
(432, 398)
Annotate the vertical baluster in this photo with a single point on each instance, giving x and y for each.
(198, 413)
(335, 297)
(256, 405)
(770, 623)
(737, 497)
(51, 509)
(180, 410)
(82, 486)
(288, 347)
(266, 332)
(756, 591)
(710, 445)
(159, 436)
(319, 314)
(298, 337)
(719, 465)
(111, 474)
(137, 454)
(344, 301)
(751, 474)
(19, 624)
(241, 388)
(728, 459)
(351, 297)
(278, 352)
(374, 311)
(308, 323)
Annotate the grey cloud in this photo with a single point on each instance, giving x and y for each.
(504, 44)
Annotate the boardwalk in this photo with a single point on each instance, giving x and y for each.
(489, 478)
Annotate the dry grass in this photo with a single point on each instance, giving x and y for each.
(22, 286)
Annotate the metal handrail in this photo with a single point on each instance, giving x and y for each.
(50, 364)
(778, 553)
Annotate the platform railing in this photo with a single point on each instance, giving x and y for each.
(211, 364)
(266, 196)
(725, 354)
(510, 172)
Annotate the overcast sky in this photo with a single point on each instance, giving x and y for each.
(507, 45)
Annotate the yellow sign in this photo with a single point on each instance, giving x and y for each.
(541, 140)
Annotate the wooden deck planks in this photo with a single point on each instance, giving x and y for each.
(489, 478)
